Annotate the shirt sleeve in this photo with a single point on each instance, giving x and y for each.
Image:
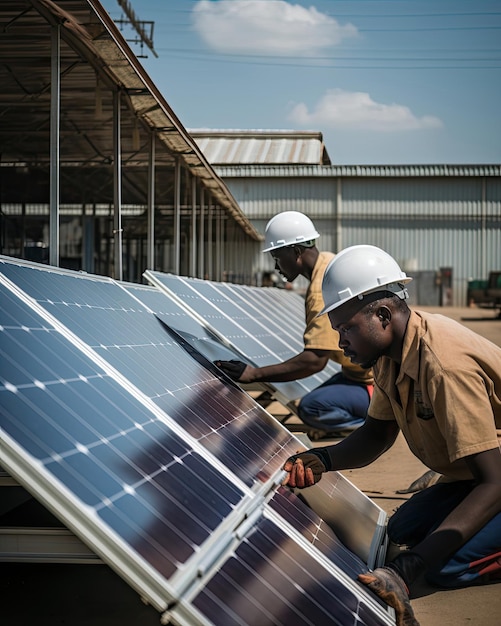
(319, 334)
(380, 406)
(464, 415)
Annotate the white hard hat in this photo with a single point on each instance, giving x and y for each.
(289, 228)
(359, 270)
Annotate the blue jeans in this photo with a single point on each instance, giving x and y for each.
(337, 404)
(478, 560)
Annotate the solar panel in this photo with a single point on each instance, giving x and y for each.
(289, 585)
(97, 456)
(359, 524)
(259, 342)
(316, 531)
(262, 307)
(181, 320)
(364, 534)
(164, 469)
(252, 337)
(283, 312)
(129, 337)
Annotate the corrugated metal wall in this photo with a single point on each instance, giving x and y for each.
(261, 198)
(426, 223)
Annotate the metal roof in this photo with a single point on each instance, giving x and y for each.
(264, 147)
(360, 171)
(95, 62)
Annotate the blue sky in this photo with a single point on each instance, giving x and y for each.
(386, 82)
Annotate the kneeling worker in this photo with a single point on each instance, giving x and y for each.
(341, 402)
(439, 383)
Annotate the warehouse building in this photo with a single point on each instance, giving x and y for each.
(98, 174)
(441, 222)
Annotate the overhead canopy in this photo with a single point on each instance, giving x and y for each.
(96, 62)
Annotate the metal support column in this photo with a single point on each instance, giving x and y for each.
(218, 247)
(150, 244)
(117, 187)
(193, 244)
(210, 247)
(177, 217)
(201, 235)
(338, 214)
(55, 117)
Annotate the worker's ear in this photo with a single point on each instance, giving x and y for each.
(298, 251)
(384, 315)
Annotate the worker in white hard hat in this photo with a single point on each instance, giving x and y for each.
(439, 384)
(340, 404)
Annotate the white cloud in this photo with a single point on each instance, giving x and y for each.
(275, 28)
(356, 110)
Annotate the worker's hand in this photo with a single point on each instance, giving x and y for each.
(306, 468)
(386, 583)
(233, 369)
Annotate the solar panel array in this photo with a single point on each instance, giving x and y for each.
(265, 326)
(162, 467)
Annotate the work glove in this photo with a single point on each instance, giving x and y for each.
(233, 369)
(306, 468)
(391, 582)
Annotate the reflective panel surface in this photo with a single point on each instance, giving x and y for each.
(122, 463)
(271, 580)
(119, 423)
(127, 334)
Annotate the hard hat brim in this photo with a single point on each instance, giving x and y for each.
(396, 288)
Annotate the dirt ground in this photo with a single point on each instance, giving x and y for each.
(397, 469)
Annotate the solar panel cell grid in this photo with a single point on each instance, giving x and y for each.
(278, 311)
(252, 320)
(97, 440)
(159, 463)
(259, 304)
(252, 339)
(175, 316)
(290, 507)
(132, 340)
(271, 580)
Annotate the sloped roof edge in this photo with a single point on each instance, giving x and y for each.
(167, 125)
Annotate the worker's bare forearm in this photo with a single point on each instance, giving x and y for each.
(363, 445)
(304, 364)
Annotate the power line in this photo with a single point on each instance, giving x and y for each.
(336, 63)
(427, 29)
(341, 55)
(306, 62)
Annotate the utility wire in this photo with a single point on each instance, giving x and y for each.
(336, 64)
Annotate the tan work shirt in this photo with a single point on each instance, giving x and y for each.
(446, 396)
(319, 333)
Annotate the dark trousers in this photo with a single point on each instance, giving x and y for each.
(478, 560)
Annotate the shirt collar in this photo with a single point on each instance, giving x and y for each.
(410, 349)
(321, 263)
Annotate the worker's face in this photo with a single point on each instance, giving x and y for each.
(287, 262)
(363, 336)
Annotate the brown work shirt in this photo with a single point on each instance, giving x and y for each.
(319, 333)
(446, 395)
